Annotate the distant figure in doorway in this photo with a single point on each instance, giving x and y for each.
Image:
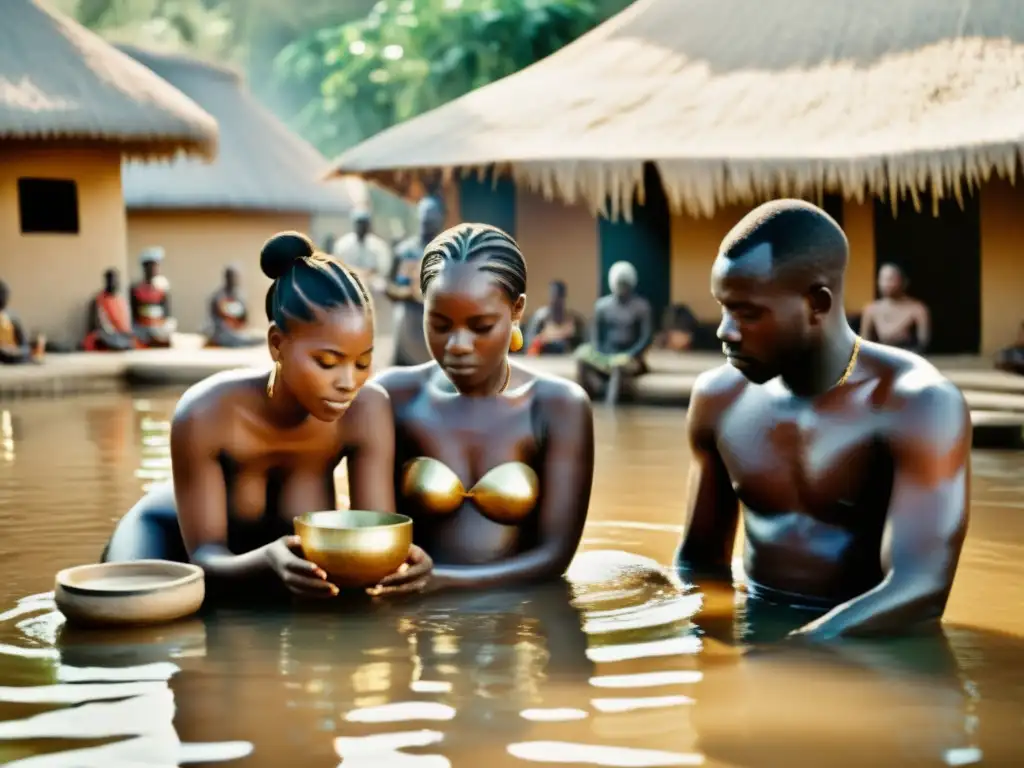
(364, 252)
(554, 329)
(229, 316)
(403, 288)
(15, 346)
(622, 332)
(110, 324)
(1011, 359)
(896, 319)
(151, 303)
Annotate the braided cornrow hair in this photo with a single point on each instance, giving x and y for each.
(495, 250)
(306, 280)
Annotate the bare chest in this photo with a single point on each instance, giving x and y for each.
(783, 457)
(893, 320)
(286, 476)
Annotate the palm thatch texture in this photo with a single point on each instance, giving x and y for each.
(61, 82)
(740, 100)
(262, 165)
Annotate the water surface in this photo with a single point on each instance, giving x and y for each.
(597, 672)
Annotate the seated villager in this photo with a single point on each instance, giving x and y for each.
(848, 460)
(151, 303)
(622, 332)
(679, 330)
(110, 327)
(229, 317)
(554, 329)
(15, 346)
(495, 462)
(896, 319)
(1011, 359)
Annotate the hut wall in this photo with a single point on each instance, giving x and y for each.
(198, 245)
(560, 243)
(1002, 264)
(54, 276)
(695, 244)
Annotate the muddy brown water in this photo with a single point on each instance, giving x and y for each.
(605, 671)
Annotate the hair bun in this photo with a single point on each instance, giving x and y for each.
(281, 252)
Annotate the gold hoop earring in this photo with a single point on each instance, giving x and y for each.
(272, 380)
(516, 343)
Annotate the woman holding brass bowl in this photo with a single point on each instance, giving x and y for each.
(494, 462)
(252, 451)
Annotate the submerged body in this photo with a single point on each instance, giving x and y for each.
(251, 451)
(494, 463)
(471, 471)
(851, 460)
(816, 477)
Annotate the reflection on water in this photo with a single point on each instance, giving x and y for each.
(617, 667)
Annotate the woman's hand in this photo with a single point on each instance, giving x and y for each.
(414, 576)
(303, 578)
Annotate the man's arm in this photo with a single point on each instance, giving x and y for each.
(924, 326)
(926, 521)
(597, 325)
(712, 509)
(867, 324)
(646, 332)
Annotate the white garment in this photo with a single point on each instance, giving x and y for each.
(371, 255)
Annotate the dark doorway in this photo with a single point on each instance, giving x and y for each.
(483, 201)
(646, 242)
(941, 256)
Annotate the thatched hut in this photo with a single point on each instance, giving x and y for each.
(71, 106)
(205, 215)
(905, 116)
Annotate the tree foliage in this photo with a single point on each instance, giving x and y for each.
(409, 56)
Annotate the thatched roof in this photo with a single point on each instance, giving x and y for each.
(59, 81)
(739, 100)
(262, 164)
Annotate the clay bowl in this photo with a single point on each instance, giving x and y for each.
(355, 548)
(135, 593)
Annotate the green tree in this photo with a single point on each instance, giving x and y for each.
(409, 56)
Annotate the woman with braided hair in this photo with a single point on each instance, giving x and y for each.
(493, 462)
(250, 451)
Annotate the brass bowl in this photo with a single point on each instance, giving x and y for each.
(356, 548)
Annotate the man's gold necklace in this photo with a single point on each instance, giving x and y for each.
(853, 362)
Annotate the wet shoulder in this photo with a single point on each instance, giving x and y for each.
(721, 382)
(205, 406)
(557, 392)
(713, 392)
(561, 402)
(370, 412)
(403, 383)
(928, 403)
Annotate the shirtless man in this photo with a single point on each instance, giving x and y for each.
(850, 459)
(896, 319)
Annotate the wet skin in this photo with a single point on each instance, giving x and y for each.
(446, 410)
(246, 465)
(854, 497)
